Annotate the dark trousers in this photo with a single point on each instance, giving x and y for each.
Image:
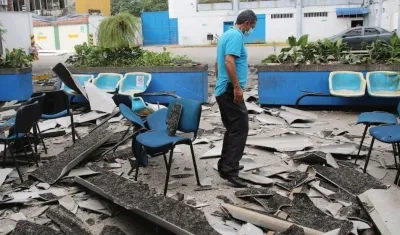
(236, 121)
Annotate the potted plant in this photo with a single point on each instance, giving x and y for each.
(305, 66)
(15, 75)
(116, 52)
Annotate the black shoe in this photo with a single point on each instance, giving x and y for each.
(236, 181)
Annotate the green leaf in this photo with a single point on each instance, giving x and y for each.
(292, 41)
(303, 40)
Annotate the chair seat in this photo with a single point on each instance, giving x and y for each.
(386, 134)
(56, 115)
(377, 118)
(12, 137)
(154, 139)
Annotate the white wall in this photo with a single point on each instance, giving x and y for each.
(323, 27)
(389, 14)
(19, 26)
(72, 35)
(194, 22)
(94, 22)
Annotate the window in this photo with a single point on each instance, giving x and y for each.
(316, 14)
(370, 31)
(353, 33)
(283, 15)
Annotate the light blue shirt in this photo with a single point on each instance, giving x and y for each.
(231, 43)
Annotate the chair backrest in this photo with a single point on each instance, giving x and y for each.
(398, 109)
(157, 120)
(39, 97)
(131, 116)
(80, 78)
(54, 102)
(190, 115)
(27, 116)
(108, 81)
(66, 77)
(136, 81)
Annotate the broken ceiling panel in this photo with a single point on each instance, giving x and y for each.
(286, 143)
(270, 120)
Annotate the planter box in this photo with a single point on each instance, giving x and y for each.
(188, 82)
(16, 84)
(283, 84)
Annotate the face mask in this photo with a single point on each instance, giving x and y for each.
(247, 33)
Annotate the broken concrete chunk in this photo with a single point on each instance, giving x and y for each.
(29, 228)
(111, 230)
(69, 223)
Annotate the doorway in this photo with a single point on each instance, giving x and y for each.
(357, 23)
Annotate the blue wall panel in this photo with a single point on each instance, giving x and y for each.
(16, 86)
(159, 29)
(259, 33)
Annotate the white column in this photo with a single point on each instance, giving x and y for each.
(380, 9)
(398, 20)
(235, 8)
(299, 18)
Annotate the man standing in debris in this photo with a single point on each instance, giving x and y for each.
(231, 70)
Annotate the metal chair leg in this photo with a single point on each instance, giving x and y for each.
(16, 166)
(395, 152)
(165, 160)
(171, 154)
(369, 155)
(41, 138)
(362, 141)
(4, 154)
(397, 178)
(26, 155)
(194, 164)
(35, 155)
(137, 162)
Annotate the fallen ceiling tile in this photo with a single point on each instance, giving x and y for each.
(204, 125)
(59, 166)
(80, 172)
(272, 170)
(287, 143)
(37, 212)
(305, 213)
(94, 205)
(383, 206)
(24, 227)
(348, 179)
(214, 152)
(303, 116)
(301, 125)
(270, 120)
(18, 216)
(171, 214)
(90, 116)
(99, 100)
(256, 179)
(296, 179)
(334, 208)
(342, 149)
(249, 229)
(316, 157)
(253, 192)
(201, 141)
(274, 203)
(47, 125)
(69, 223)
(322, 190)
(4, 173)
(253, 107)
(293, 230)
(111, 230)
(69, 203)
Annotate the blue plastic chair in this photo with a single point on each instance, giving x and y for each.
(26, 118)
(389, 134)
(189, 123)
(347, 84)
(80, 78)
(134, 83)
(108, 82)
(157, 120)
(375, 119)
(137, 103)
(383, 84)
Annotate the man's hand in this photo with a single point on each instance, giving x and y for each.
(238, 94)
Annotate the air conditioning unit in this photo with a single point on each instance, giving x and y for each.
(3, 2)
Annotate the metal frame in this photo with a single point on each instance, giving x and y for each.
(309, 93)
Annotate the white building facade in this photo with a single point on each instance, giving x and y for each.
(279, 19)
